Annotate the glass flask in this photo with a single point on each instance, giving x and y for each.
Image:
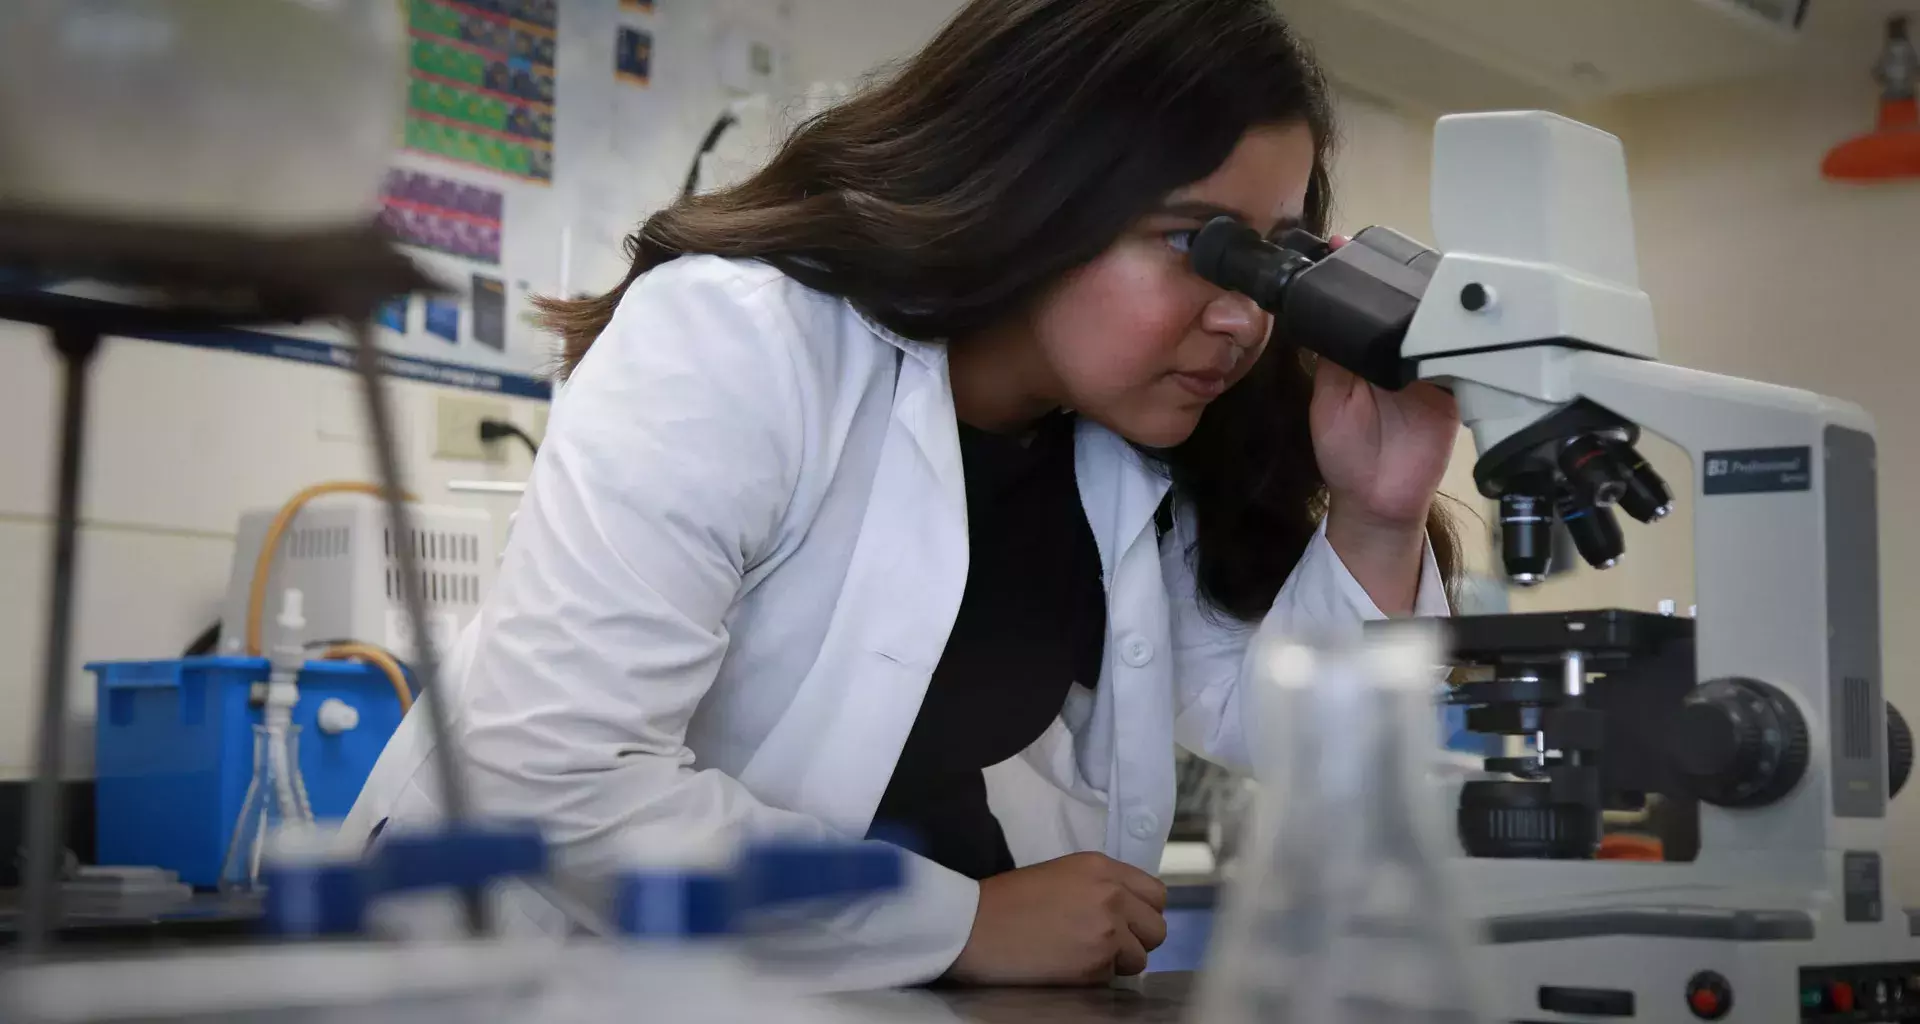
(276, 797)
(1342, 914)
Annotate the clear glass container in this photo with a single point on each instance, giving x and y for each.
(276, 798)
(1342, 914)
(260, 114)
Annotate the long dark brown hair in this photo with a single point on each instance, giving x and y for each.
(1015, 147)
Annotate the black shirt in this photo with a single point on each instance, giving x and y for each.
(1032, 622)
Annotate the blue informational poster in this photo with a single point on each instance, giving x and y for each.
(443, 320)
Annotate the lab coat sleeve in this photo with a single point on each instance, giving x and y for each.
(1320, 599)
(663, 479)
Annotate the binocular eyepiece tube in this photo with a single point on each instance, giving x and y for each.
(1351, 305)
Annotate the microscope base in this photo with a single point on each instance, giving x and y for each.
(1592, 938)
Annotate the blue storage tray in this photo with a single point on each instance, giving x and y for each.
(173, 752)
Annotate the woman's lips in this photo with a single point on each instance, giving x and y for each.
(1204, 384)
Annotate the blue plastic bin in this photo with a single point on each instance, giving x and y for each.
(174, 752)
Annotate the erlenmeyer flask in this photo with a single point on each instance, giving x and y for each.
(276, 796)
(1342, 914)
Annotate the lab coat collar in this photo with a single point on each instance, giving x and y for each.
(1119, 490)
(927, 353)
(1119, 487)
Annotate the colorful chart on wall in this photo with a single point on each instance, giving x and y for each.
(537, 134)
(481, 83)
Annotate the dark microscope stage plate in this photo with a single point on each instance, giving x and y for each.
(1605, 634)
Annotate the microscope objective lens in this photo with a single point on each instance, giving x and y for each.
(1595, 531)
(1526, 534)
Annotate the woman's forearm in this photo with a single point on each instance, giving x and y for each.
(1386, 558)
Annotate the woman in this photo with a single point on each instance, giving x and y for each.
(924, 449)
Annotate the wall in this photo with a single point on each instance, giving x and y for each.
(844, 40)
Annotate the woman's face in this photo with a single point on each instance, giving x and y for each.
(1136, 340)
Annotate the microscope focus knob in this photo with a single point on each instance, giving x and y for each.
(1740, 743)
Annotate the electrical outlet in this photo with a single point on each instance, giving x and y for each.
(458, 435)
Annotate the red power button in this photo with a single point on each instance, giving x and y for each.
(1709, 995)
(1840, 997)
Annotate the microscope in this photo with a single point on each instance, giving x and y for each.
(1759, 725)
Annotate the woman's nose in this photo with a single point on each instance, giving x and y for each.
(1234, 317)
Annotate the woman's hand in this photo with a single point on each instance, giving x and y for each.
(1382, 454)
(1073, 921)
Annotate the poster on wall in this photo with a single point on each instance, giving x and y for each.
(481, 83)
(517, 174)
(633, 56)
(447, 216)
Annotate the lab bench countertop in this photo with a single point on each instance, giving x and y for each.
(1150, 999)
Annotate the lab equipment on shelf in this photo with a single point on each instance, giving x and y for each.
(332, 542)
(174, 746)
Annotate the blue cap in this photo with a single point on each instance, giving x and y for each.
(313, 899)
(456, 857)
(669, 903)
(793, 872)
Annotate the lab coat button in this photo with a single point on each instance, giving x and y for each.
(1136, 651)
(1143, 826)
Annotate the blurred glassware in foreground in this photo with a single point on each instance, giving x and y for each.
(1343, 914)
(254, 114)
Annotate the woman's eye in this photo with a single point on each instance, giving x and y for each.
(1181, 241)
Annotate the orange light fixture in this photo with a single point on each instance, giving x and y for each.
(1892, 149)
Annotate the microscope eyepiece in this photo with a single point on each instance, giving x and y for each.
(1235, 257)
(1596, 476)
(1595, 530)
(1350, 304)
(1526, 530)
(1646, 496)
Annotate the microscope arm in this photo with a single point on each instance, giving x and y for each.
(1500, 392)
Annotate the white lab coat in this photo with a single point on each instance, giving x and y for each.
(734, 570)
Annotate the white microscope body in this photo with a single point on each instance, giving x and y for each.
(1533, 310)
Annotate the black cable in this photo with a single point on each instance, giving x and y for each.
(720, 126)
(494, 430)
(204, 644)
